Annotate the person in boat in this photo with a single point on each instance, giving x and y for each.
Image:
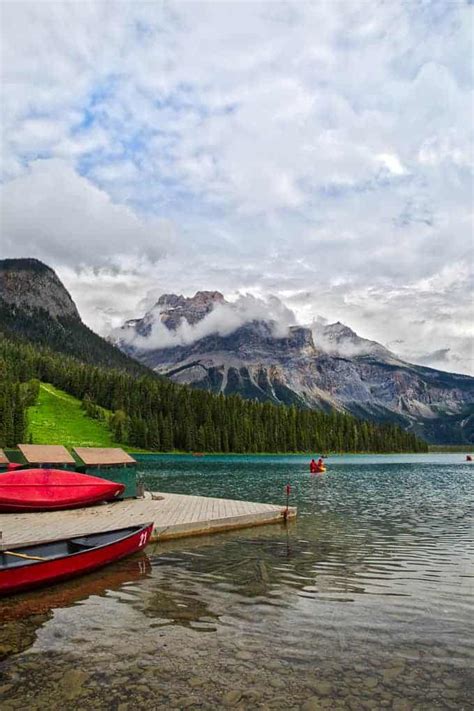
(316, 467)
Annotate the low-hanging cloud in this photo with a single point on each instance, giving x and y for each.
(338, 339)
(224, 319)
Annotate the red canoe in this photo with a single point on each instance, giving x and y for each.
(50, 489)
(32, 566)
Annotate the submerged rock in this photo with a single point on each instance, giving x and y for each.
(231, 698)
(73, 682)
(311, 704)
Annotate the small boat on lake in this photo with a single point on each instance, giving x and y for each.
(31, 566)
(317, 467)
(53, 489)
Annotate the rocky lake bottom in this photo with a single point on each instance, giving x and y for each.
(365, 602)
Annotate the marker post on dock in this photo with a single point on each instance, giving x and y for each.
(286, 511)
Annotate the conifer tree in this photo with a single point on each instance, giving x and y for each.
(154, 413)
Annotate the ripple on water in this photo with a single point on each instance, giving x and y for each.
(365, 600)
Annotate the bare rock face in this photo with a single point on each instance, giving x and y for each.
(29, 285)
(339, 339)
(171, 310)
(329, 367)
(175, 308)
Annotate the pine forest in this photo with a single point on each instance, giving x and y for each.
(151, 413)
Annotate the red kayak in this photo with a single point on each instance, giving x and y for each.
(35, 565)
(50, 489)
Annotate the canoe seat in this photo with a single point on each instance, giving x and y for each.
(81, 544)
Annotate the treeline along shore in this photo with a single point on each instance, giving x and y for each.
(149, 412)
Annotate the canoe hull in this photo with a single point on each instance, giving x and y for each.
(38, 573)
(53, 489)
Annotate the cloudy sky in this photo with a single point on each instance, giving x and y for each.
(320, 152)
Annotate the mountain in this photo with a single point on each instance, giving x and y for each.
(35, 306)
(40, 331)
(340, 340)
(327, 367)
(27, 283)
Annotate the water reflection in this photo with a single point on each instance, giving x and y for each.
(23, 615)
(364, 602)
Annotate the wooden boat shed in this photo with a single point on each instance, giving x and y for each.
(47, 455)
(109, 463)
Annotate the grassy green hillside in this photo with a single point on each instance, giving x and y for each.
(58, 418)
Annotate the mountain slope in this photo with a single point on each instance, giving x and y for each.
(35, 306)
(329, 367)
(43, 339)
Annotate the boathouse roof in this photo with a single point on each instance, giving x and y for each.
(103, 455)
(3, 457)
(46, 454)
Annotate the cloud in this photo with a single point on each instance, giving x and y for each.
(338, 339)
(392, 163)
(446, 359)
(406, 319)
(302, 148)
(440, 356)
(52, 213)
(224, 319)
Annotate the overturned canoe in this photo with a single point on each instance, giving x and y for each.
(32, 566)
(52, 489)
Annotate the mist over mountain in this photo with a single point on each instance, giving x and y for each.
(40, 329)
(251, 347)
(179, 321)
(255, 348)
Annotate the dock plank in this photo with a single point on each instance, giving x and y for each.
(174, 515)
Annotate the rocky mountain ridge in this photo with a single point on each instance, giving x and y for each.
(338, 339)
(29, 285)
(149, 411)
(328, 366)
(36, 307)
(324, 367)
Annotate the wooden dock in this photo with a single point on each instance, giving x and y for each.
(174, 516)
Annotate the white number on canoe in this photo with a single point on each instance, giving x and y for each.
(143, 537)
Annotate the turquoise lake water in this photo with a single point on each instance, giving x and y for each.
(366, 601)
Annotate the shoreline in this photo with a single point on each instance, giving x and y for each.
(201, 455)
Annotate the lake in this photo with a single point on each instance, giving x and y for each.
(365, 602)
